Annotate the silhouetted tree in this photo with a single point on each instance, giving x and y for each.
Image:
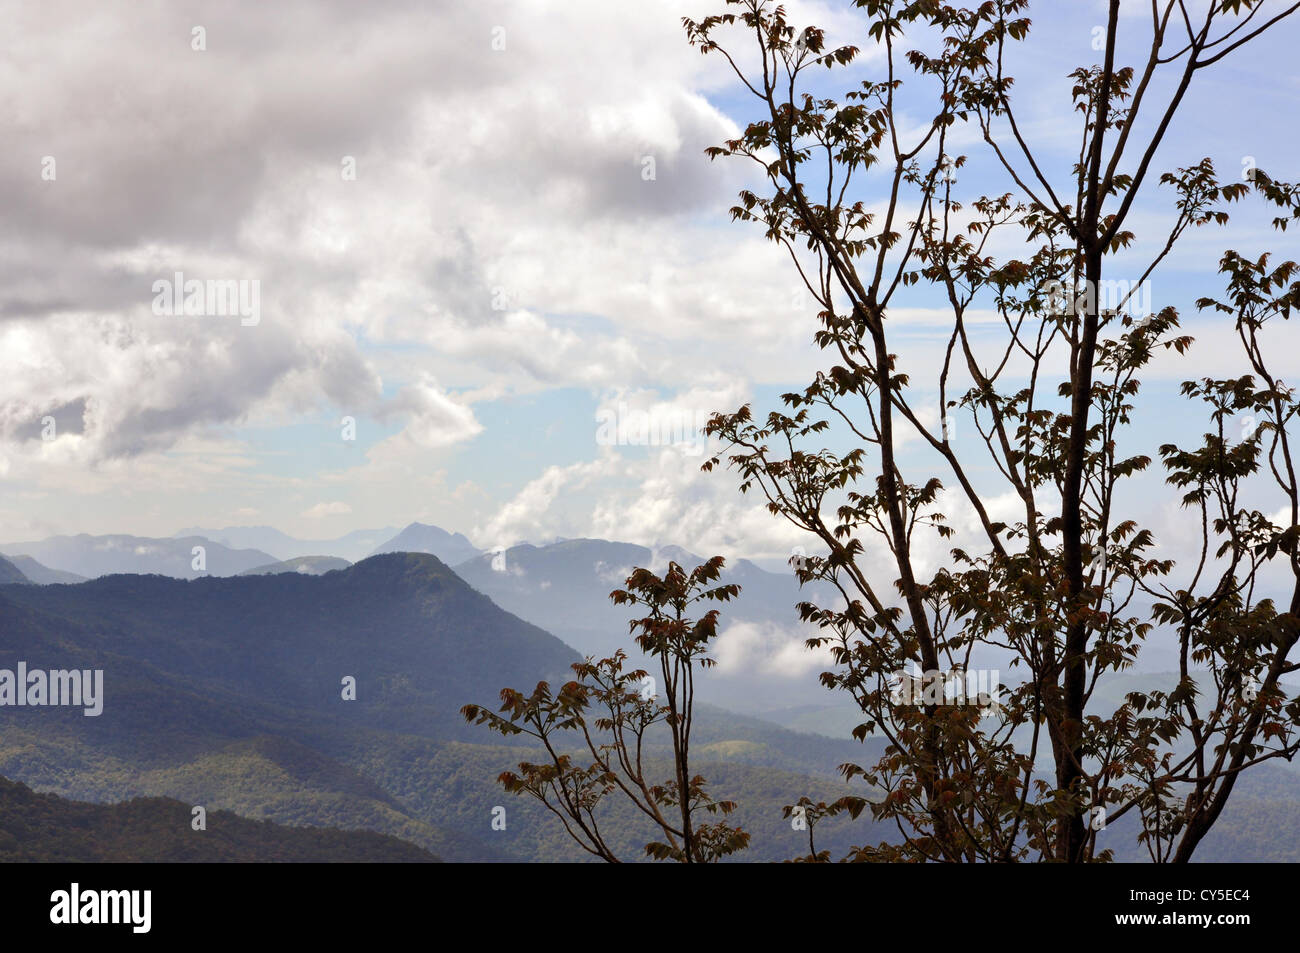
(1051, 402)
(595, 729)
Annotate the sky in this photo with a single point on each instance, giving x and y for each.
(477, 233)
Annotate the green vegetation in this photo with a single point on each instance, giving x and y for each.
(47, 829)
(225, 692)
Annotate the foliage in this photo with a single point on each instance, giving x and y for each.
(612, 711)
(1053, 408)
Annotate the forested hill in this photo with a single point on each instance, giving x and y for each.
(227, 692)
(45, 828)
(415, 638)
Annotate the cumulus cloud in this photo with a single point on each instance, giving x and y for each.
(442, 210)
(433, 419)
(657, 498)
(533, 514)
(768, 649)
(237, 174)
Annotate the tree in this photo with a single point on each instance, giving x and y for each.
(1057, 587)
(612, 714)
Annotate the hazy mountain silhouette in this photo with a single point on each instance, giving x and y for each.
(93, 556)
(351, 546)
(564, 587)
(10, 573)
(407, 628)
(44, 575)
(451, 548)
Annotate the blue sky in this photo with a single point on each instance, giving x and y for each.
(498, 272)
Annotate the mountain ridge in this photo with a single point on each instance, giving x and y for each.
(451, 548)
(197, 671)
(93, 556)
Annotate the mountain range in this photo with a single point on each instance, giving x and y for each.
(564, 588)
(185, 557)
(230, 692)
(310, 691)
(763, 666)
(352, 546)
(224, 552)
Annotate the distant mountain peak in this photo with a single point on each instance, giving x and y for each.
(451, 548)
(437, 531)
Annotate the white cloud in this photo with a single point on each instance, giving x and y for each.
(499, 240)
(433, 418)
(532, 514)
(766, 648)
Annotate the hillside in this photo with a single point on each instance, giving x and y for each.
(44, 575)
(10, 573)
(412, 634)
(43, 828)
(226, 692)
